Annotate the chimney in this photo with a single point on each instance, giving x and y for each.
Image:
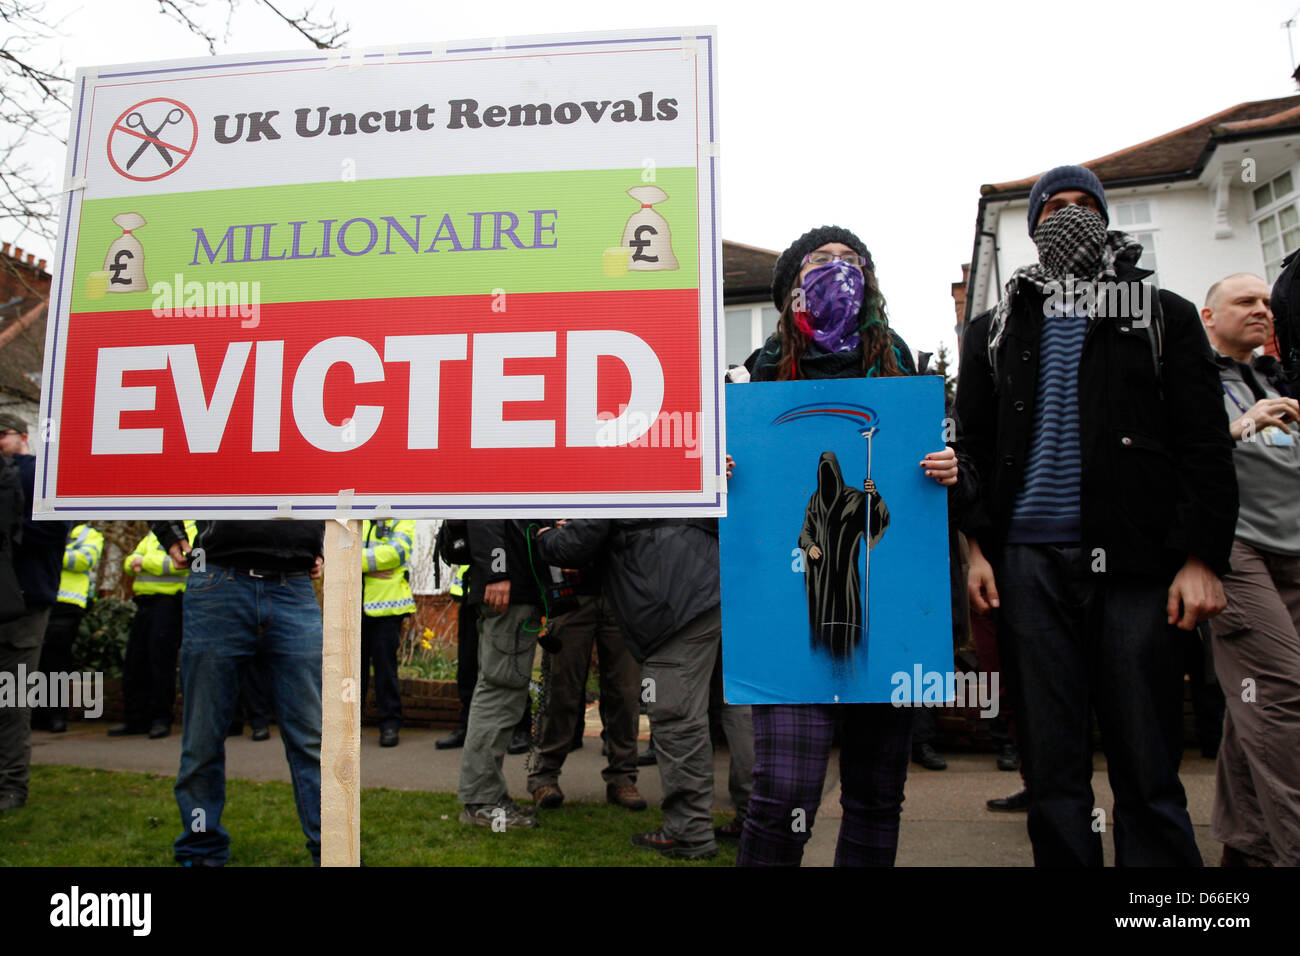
(6, 248)
(41, 265)
(959, 294)
(18, 254)
(31, 259)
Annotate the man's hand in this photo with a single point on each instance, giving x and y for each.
(1267, 411)
(137, 564)
(941, 466)
(318, 568)
(1198, 592)
(980, 585)
(179, 553)
(497, 595)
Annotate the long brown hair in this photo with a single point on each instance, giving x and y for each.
(873, 325)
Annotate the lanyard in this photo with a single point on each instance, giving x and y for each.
(1233, 398)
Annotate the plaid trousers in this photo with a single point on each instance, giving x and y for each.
(792, 746)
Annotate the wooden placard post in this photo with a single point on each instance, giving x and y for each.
(340, 743)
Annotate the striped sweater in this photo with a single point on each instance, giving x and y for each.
(1046, 510)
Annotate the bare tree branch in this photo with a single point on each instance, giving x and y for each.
(34, 101)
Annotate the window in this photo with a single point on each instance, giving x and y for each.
(748, 327)
(1278, 221)
(1136, 217)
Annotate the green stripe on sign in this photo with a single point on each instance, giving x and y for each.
(428, 236)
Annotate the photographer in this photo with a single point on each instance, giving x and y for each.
(661, 580)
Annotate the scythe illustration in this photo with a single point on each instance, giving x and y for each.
(865, 422)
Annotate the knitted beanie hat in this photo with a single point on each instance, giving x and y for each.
(791, 261)
(1060, 179)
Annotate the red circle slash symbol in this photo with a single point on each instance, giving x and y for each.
(152, 139)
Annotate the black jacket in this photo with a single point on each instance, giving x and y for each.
(259, 545)
(499, 552)
(38, 558)
(660, 574)
(1157, 481)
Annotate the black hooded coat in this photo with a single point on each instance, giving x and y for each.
(834, 522)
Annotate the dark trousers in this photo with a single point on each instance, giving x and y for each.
(56, 652)
(984, 635)
(467, 666)
(149, 669)
(590, 624)
(380, 637)
(1086, 642)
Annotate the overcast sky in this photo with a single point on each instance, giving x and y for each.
(882, 117)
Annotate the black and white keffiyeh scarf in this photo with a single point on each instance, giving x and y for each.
(1072, 243)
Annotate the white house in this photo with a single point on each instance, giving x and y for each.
(1216, 197)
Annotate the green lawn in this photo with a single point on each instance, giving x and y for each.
(81, 817)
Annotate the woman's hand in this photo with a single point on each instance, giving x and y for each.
(731, 465)
(941, 466)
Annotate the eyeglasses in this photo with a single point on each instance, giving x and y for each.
(822, 258)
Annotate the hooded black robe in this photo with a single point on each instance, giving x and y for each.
(835, 521)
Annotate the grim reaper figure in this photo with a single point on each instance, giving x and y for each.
(834, 523)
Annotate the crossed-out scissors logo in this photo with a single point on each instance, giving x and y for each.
(152, 139)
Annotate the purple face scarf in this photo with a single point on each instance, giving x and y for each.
(833, 294)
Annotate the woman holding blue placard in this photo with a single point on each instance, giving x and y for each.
(833, 325)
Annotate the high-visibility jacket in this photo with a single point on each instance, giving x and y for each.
(80, 558)
(388, 547)
(457, 588)
(158, 573)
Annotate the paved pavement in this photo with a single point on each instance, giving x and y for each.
(944, 820)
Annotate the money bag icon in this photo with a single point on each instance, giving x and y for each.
(125, 260)
(646, 233)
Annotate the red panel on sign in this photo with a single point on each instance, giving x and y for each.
(528, 381)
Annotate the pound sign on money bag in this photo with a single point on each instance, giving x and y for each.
(646, 233)
(125, 260)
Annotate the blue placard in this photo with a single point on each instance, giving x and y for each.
(798, 625)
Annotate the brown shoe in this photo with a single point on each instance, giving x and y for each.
(548, 796)
(625, 795)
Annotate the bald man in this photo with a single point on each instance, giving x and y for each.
(1256, 639)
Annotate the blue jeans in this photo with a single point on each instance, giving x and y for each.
(228, 617)
(1099, 643)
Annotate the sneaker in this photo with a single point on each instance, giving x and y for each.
(626, 796)
(663, 843)
(511, 815)
(730, 830)
(548, 796)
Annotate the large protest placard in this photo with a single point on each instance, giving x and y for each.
(833, 592)
(478, 279)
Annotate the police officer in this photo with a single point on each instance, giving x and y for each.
(385, 603)
(80, 560)
(149, 670)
